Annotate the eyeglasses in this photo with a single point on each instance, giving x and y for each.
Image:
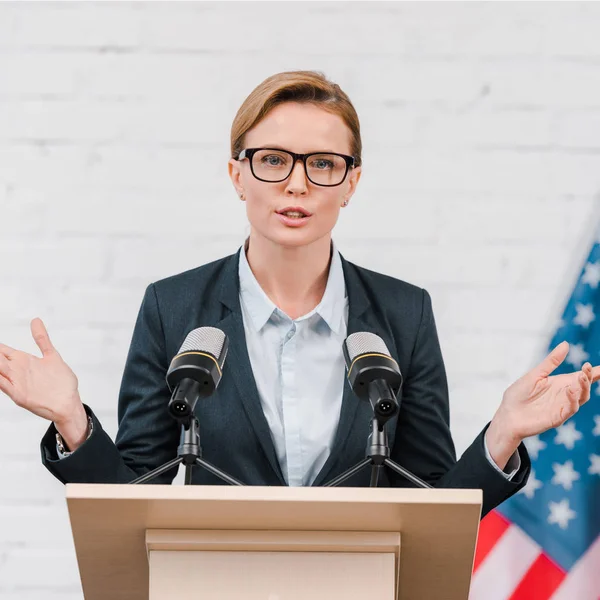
(274, 165)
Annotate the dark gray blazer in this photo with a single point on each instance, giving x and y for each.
(233, 430)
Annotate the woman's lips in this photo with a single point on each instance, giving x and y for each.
(293, 221)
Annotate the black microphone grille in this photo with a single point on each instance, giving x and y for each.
(205, 339)
(364, 342)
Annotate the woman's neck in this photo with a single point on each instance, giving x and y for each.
(293, 278)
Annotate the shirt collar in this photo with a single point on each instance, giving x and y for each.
(260, 307)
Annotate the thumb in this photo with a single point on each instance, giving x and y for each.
(41, 337)
(553, 360)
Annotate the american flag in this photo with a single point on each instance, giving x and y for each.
(544, 542)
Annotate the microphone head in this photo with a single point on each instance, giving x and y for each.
(206, 339)
(363, 342)
(368, 359)
(198, 367)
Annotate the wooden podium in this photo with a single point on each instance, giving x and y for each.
(159, 542)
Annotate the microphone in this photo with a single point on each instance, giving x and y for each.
(196, 370)
(372, 373)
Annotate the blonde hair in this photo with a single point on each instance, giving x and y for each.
(295, 86)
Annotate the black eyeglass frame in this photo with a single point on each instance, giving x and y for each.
(249, 153)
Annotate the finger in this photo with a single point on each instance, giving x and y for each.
(573, 394)
(7, 351)
(41, 337)
(586, 385)
(6, 386)
(4, 365)
(595, 374)
(553, 360)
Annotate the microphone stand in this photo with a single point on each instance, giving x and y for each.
(189, 453)
(377, 456)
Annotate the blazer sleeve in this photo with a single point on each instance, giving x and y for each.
(423, 443)
(147, 435)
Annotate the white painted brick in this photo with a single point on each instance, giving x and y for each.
(368, 215)
(42, 168)
(53, 567)
(472, 263)
(45, 526)
(159, 257)
(170, 76)
(509, 129)
(40, 74)
(116, 121)
(498, 219)
(60, 593)
(45, 25)
(54, 261)
(392, 79)
(542, 83)
(125, 211)
(580, 130)
(492, 310)
(97, 305)
(27, 481)
(62, 120)
(23, 209)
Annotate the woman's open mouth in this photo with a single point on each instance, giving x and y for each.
(294, 216)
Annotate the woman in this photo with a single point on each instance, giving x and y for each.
(284, 413)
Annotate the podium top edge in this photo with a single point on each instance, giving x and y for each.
(99, 491)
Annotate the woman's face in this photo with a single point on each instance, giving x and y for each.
(300, 128)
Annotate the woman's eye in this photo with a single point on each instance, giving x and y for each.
(322, 164)
(272, 160)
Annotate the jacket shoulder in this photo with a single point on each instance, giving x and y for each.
(387, 285)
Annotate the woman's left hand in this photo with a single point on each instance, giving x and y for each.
(537, 402)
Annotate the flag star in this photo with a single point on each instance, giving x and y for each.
(591, 274)
(565, 474)
(585, 315)
(534, 445)
(596, 430)
(577, 355)
(532, 485)
(561, 513)
(594, 466)
(567, 434)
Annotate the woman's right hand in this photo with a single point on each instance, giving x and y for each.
(45, 386)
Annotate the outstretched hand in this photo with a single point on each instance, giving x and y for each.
(538, 401)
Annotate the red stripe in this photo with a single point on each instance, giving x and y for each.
(541, 581)
(491, 529)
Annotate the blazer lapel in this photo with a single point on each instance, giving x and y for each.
(359, 319)
(238, 363)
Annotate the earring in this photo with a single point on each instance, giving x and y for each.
(242, 196)
(345, 203)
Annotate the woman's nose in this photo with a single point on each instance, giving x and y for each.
(297, 179)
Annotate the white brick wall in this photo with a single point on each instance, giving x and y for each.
(481, 127)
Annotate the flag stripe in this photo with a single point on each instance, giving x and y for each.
(500, 573)
(491, 529)
(583, 580)
(540, 582)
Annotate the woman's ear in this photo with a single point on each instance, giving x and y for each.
(353, 180)
(233, 167)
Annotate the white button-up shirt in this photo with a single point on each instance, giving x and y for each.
(298, 365)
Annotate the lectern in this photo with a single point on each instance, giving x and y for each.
(159, 542)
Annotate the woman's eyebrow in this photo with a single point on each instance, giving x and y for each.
(279, 147)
